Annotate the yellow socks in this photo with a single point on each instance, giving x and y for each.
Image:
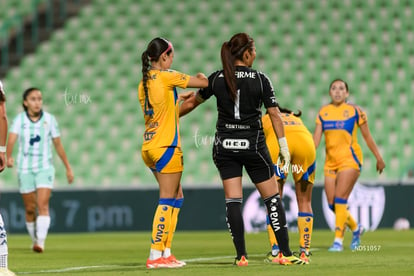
(305, 227)
(272, 238)
(174, 219)
(351, 222)
(162, 223)
(341, 216)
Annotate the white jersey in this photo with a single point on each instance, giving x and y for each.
(35, 141)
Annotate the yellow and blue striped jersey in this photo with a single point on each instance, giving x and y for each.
(162, 122)
(339, 124)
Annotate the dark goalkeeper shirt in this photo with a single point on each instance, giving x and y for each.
(241, 119)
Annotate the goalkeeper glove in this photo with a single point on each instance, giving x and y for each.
(284, 155)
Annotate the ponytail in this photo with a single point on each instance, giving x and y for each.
(230, 52)
(229, 69)
(145, 76)
(154, 50)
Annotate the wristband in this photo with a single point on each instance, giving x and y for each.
(2, 148)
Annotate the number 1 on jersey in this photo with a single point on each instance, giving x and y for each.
(237, 105)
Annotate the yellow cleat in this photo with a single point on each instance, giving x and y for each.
(290, 260)
(305, 257)
(271, 259)
(172, 259)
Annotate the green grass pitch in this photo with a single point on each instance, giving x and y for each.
(382, 252)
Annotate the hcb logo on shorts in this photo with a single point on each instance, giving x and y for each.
(366, 204)
(236, 144)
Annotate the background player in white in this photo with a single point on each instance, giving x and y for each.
(4, 251)
(35, 130)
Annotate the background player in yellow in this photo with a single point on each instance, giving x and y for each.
(161, 149)
(303, 154)
(339, 121)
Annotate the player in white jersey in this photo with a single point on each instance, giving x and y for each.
(35, 130)
(4, 250)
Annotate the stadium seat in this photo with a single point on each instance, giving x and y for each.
(301, 45)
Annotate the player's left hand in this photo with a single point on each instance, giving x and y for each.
(69, 175)
(380, 165)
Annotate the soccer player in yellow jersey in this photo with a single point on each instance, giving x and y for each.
(303, 155)
(161, 149)
(339, 121)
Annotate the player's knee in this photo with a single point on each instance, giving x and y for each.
(43, 210)
(30, 212)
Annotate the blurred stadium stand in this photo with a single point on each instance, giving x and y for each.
(90, 68)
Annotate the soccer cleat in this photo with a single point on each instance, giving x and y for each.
(6, 272)
(161, 263)
(37, 248)
(271, 259)
(336, 247)
(172, 259)
(305, 257)
(242, 262)
(290, 260)
(356, 237)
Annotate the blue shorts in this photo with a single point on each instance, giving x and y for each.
(29, 182)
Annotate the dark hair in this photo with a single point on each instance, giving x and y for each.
(288, 111)
(231, 51)
(332, 82)
(2, 96)
(26, 94)
(155, 48)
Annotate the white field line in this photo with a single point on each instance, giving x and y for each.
(77, 268)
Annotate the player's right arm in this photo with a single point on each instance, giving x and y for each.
(277, 123)
(317, 135)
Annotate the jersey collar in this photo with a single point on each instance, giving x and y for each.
(40, 118)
